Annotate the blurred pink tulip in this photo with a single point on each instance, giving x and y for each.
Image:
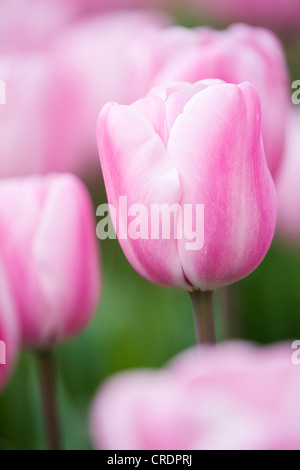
(55, 87)
(187, 145)
(41, 120)
(43, 107)
(282, 15)
(89, 6)
(49, 247)
(103, 73)
(30, 24)
(9, 332)
(240, 53)
(235, 396)
(287, 184)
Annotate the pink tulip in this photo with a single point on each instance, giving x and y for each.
(282, 15)
(288, 184)
(89, 6)
(49, 247)
(30, 24)
(240, 53)
(55, 86)
(103, 73)
(190, 145)
(36, 133)
(41, 116)
(44, 104)
(9, 332)
(235, 396)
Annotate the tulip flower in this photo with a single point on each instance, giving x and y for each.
(88, 6)
(288, 184)
(55, 85)
(236, 396)
(9, 331)
(282, 15)
(237, 54)
(189, 147)
(103, 73)
(42, 103)
(39, 118)
(30, 24)
(49, 248)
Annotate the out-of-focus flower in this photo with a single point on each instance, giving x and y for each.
(190, 145)
(99, 54)
(49, 248)
(240, 53)
(31, 24)
(287, 185)
(55, 88)
(90, 6)
(40, 122)
(9, 331)
(43, 107)
(282, 15)
(234, 396)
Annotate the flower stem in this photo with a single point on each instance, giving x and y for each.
(49, 400)
(203, 316)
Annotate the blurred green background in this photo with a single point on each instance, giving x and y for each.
(142, 325)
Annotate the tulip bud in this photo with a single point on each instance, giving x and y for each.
(49, 247)
(191, 154)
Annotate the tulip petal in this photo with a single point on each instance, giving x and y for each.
(135, 164)
(65, 258)
(224, 168)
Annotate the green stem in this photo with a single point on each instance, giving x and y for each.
(49, 399)
(203, 316)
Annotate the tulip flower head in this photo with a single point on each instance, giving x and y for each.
(196, 146)
(50, 251)
(235, 396)
(240, 53)
(287, 184)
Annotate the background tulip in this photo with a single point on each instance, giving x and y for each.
(235, 396)
(30, 24)
(55, 85)
(49, 247)
(84, 6)
(192, 144)
(9, 331)
(103, 73)
(288, 184)
(40, 117)
(237, 54)
(43, 99)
